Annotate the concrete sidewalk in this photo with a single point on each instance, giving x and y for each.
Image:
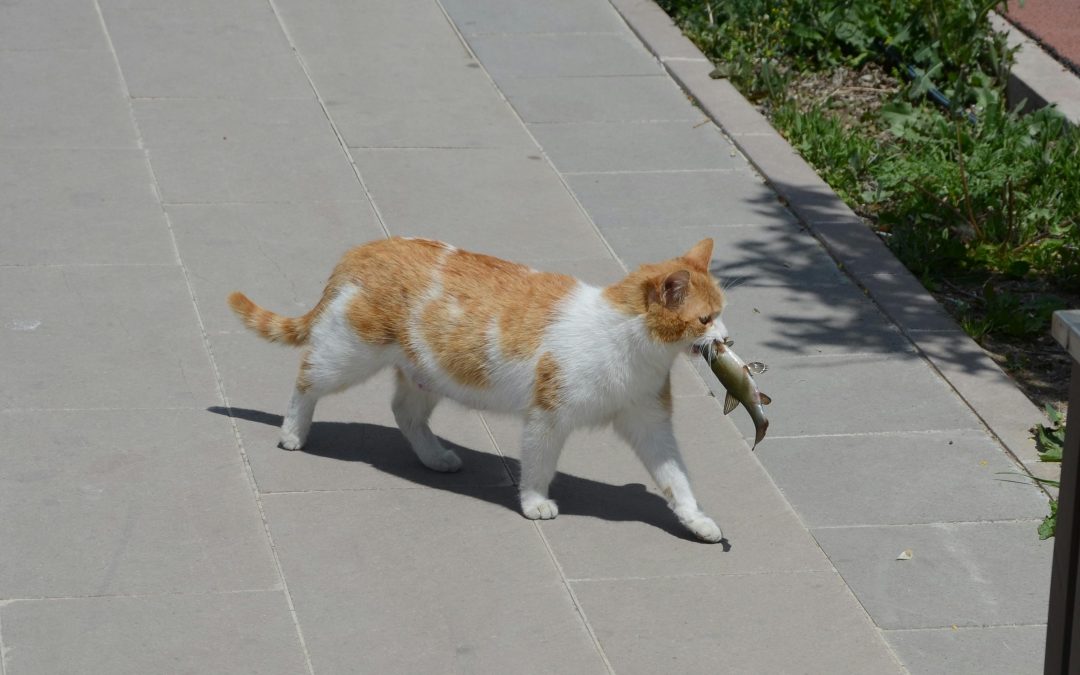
(157, 155)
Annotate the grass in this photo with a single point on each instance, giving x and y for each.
(992, 204)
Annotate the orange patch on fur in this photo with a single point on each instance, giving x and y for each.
(480, 292)
(393, 275)
(546, 393)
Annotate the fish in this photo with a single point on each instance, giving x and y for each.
(737, 378)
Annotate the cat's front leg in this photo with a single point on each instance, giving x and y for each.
(648, 431)
(540, 449)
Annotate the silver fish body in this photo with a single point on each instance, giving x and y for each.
(736, 376)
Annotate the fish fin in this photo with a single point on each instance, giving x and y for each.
(730, 403)
(756, 367)
(759, 433)
(765, 398)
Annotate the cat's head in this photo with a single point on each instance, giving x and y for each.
(678, 298)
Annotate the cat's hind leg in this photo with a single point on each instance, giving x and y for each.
(540, 449)
(412, 410)
(648, 430)
(325, 369)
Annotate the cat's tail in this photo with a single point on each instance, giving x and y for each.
(273, 327)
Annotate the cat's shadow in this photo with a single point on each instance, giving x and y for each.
(484, 475)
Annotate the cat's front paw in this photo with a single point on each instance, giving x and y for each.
(536, 507)
(704, 529)
(290, 441)
(447, 462)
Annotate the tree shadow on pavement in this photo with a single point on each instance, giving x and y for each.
(386, 450)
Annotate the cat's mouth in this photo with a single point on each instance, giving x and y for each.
(703, 347)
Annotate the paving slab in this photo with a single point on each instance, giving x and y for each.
(203, 50)
(428, 112)
(691, 625)
(38, 25)
(212, 633)
(354, 444)
(253, 248)
(75, 177)
(895, 479)
(607, 502)
(1000, 650)
(477, 17)
(119, 520)
(358, 39)
(101, 337)
(598, 99)
(962, 574)
(83, 106)
(562, 55)
(776, 254)
(636, 146)
(46, 233)
(366, 568)
(851, 394)
(246, 151)
(501, 202)
(779, 322)
(658, 200)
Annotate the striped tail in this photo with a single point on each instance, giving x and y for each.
(273, 327)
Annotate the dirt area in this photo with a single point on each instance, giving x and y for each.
(1038, 365)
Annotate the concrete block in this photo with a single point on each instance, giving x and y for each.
(83, 105)
(563, 55)
(137, 502)
(101, 337)
(971, 574)
(204, 50)
(598, 99)
(367, 567)
(688, 623)
(500, 202)
(665, 201)
(636, 146)
(478, 17)
(899, 479)
(996, 650)
(217, 633)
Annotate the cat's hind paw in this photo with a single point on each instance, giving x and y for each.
(704, 529)
(447, 462)
(539, 508)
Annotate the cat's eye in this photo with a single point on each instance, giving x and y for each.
(704, 320)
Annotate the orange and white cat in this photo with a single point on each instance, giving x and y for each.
(495, 335)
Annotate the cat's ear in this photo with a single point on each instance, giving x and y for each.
(701, 254)
(672, 290)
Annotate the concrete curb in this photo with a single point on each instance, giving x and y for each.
(1037, 76)
(975, 377)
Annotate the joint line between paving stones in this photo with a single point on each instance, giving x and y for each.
(624, 172)
(960, 628)
(942, 524)
(329, 119)
(3, 659)
(495, 444)
(249, 474)
(138, 596)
